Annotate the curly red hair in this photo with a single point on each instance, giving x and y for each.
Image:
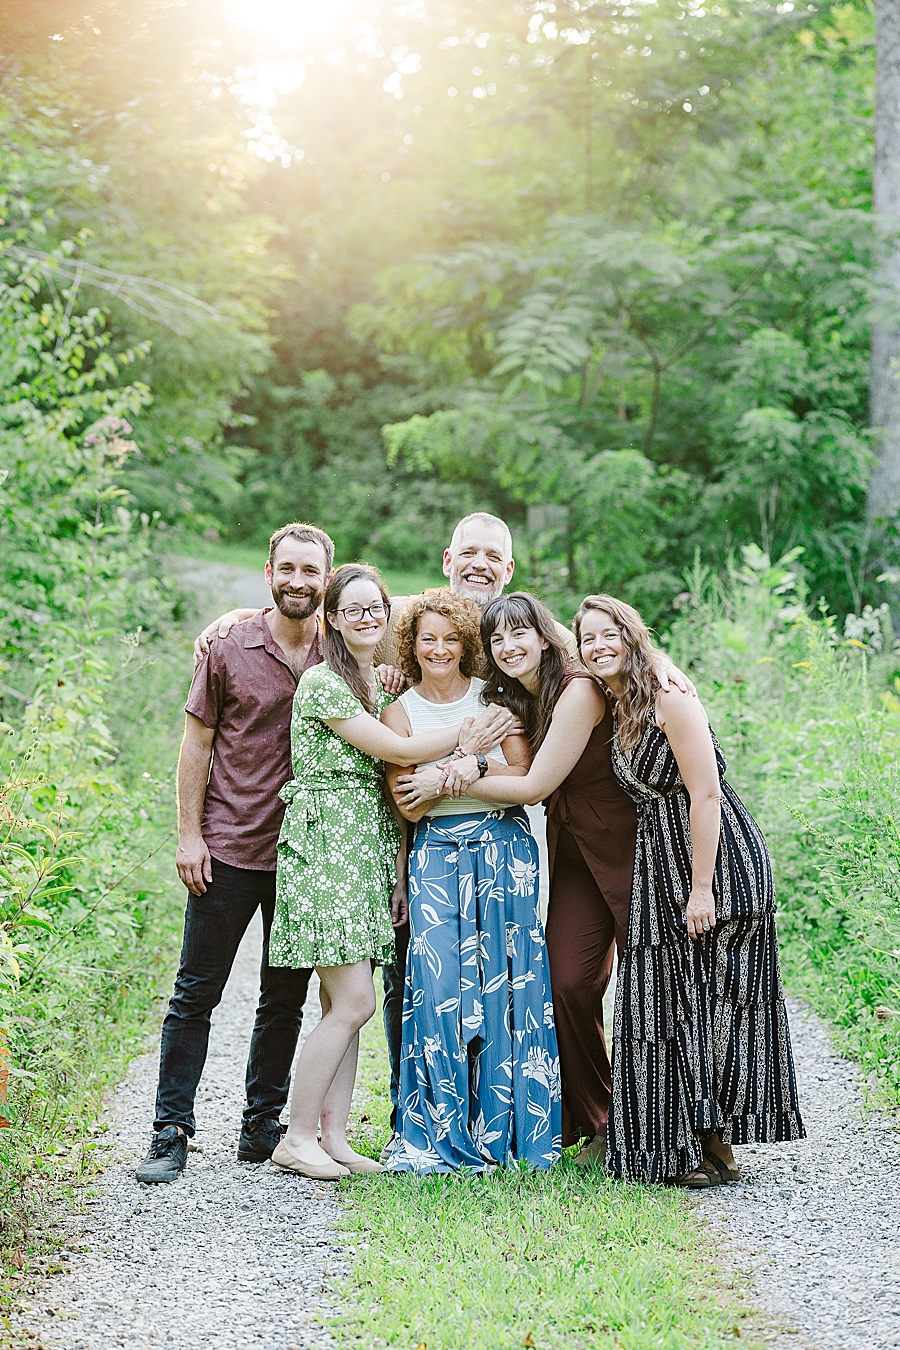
(465, 616)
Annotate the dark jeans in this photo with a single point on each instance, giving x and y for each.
(214, 924)
(394, 978)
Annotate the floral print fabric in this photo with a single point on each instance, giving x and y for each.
(339, 841)
(479, 1070)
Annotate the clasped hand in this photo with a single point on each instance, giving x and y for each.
(452, 777)
(448, 778)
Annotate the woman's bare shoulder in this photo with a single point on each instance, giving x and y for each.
(580, 690)
(675, 707)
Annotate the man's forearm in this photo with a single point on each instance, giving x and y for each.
(193, 775)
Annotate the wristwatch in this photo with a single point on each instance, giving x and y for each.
(481, 761)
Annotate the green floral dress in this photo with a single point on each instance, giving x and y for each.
(339, 841)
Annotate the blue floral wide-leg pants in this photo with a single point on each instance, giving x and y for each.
(479, 1070)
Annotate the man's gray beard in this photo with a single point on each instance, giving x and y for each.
(481, 600)
(297, 606)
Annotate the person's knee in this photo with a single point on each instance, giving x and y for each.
(355, 1008)
(365, 1008)
(570, 985)
(283, 998)
(195, 995)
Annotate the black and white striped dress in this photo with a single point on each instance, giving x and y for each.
(701, 1039)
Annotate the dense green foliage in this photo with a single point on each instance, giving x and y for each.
(107, 127)
(86, 925)
(605, 268)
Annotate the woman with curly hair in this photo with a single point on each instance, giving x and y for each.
(479, 1067)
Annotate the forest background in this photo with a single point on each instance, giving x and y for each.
(607, 270)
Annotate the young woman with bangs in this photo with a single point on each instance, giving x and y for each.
(479, 1067)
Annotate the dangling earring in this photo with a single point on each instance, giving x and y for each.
(499, 688)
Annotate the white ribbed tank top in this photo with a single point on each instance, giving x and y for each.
(425, 716)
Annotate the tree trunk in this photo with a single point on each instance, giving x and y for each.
(884, 489)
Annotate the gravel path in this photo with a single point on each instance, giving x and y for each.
(222, 585)
(230, 1255)
(233, 1255)
(820, 1219)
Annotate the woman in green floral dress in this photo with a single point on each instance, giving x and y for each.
(339, 858)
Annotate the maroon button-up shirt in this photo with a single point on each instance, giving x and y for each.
(244, 690)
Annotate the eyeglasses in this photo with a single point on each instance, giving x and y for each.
(379, 610)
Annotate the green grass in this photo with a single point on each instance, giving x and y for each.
(851, 982)
(252, 557)
(562, 1260)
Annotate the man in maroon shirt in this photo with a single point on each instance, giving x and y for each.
(235, 757)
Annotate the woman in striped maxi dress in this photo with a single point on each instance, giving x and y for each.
(701, 1047)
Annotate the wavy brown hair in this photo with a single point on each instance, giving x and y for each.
(463, 613)
(639, 683)
(534, 711)
(334, 648)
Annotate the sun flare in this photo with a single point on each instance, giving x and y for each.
(289, 25)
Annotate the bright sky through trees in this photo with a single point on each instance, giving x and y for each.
(287, 25)
(283, 33)
(609, 257)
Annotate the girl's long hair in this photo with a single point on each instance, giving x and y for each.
(639, 683)
(534, 711)
(335, 650)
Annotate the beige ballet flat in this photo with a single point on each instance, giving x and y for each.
(283, 1157)
(364, 1165)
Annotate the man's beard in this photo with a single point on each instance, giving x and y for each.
(297, 606)
(482, 598)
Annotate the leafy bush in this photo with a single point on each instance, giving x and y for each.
(85, 924)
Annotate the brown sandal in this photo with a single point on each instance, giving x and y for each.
(710, 1172)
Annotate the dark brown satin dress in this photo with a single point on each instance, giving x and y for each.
(591, 834)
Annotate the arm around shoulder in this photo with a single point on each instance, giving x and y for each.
(579, 708)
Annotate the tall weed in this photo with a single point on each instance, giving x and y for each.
(87, 925)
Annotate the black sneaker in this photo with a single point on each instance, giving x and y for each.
(166, 1158)
(258, 1142)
